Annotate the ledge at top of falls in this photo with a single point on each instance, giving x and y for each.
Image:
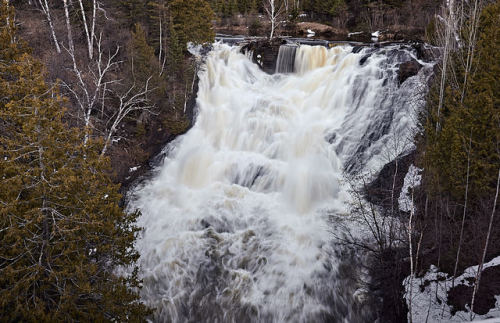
(264, 52)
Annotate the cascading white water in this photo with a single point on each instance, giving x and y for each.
(286, 58)
(236, 219)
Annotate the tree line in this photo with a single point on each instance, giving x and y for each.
(66, 244)
(460, 142)
(453, 222)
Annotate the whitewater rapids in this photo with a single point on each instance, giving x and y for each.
(236, 218)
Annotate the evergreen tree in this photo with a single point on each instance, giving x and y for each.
(134, 11)
(62, 233)
(174, 52)
(470, 129)
(144, 64)
(158, 18)
(192, 21)
(461, 151)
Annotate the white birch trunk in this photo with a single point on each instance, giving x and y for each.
(46, 11)
(87, 33)
(480, 269)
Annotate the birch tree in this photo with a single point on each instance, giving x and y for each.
(130, 101)
(95, 85)
(274, 10)
(87, 92)
(90, 26)
(448, 22)
(46, 11)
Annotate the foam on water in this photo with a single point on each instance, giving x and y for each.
(236, 220)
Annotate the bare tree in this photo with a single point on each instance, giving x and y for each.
(89, 31)
(471, 45)
(87, 91)
(68, 27)
(46, 10)
(490, 226)
(162, 16)
(448, 38)
(128, 103)
(274, 10)
(96, 85)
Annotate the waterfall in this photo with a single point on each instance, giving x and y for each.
(286, 59)
(237, 218)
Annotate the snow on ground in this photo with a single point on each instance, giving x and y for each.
(133, 169)
(429, 296)
(494, 320)
(354, 33)
(412, 179)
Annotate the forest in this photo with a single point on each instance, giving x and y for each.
(91, 92)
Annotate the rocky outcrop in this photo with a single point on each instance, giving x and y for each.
(379, 191)
(426, 52)
(264, 52)
(323, 31)
(408, 69)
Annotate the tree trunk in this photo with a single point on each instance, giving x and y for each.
(46, 10)
(464, 214)
(68, 27)
(480, 269)
(89, 41)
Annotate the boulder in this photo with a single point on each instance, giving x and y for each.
(265, 53)
(379, 191)
(408, 69)
(426, 52)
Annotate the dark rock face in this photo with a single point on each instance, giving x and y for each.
(426, 52)
(265, 53)
(379, 191)
(408, 69)
(363, 37)
(153, 145)
(460, 296)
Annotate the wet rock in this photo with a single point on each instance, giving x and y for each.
(408, 69)
(363, 37)
(357, 49)
(426, 52)
(408, 34)
(364, 59)
(265, 53)
(379, 191)
(320, 31)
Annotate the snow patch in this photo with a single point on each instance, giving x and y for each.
(133, 169)
(354, 33)
(429, 296)
(412, 180)
(194, 49)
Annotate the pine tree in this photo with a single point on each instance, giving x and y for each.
(474, 121)
(134, 11)
(461, 157)
(145, 67)
(192, 21)
(62, 233)
(144, 64)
